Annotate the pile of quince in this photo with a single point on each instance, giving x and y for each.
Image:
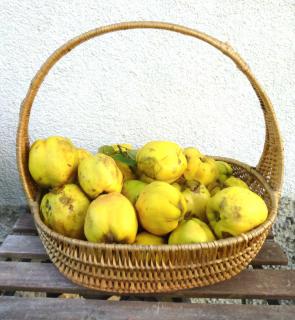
(160, 193)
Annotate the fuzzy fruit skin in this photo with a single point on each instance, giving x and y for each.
(235, 210)
(147, 238)
(99, 174)
(224, 170)
(64, 210)
(53, 161)
(111, 218)
(235, 182)
(83, 154)
(161, 160)
(160, 207)
(191, 231)
(197, 202)
(132, 189)
(199, 167)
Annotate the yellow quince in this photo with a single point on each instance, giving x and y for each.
(191, 231)
(161, 160)
(99, 174)
(196, 201)
(147, 238)
(199, 167)
(160, 207)
(132, 189)
(53, 161)
(111, 218)
(64, 209)
(224, 170)
(235, 210)
(235, 182)
(83, 154)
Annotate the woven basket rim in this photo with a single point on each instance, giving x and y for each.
(272, 212)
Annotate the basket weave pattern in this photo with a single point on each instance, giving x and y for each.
(142, 269)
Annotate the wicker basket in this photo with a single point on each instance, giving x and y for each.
(137, 268)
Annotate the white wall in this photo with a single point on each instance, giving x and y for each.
(142, 85)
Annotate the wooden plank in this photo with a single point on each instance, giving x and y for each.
(20, 246)
(73, 309)
(25, 224)
(270, 254)
(260, 284)
(30, 247)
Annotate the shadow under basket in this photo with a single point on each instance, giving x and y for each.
(119, 268)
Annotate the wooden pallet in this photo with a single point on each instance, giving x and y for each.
(25, 266)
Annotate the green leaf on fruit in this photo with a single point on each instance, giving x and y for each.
(125, 159)
(132, 154)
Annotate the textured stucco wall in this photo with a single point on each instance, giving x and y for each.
(141, 85)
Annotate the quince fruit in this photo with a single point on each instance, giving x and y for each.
(147, 238)
(132, 189)
(235, 182)
(111, 218)
(161, 160)
(235, 210)
(53, 161)
(124, 156)
(196, 201)
(199, 167)
(99, 173)
(64, 210)
(191, 231)
(83, 154)
(224, 170)
(160, 207)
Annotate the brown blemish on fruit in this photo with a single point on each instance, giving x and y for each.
(237, 212)
(187, 215)
(109, 238)
(69, 165)
(187, 158)
(67, 201)
(48, 208)
(216, 215)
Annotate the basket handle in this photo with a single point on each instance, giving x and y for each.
(271, 161)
